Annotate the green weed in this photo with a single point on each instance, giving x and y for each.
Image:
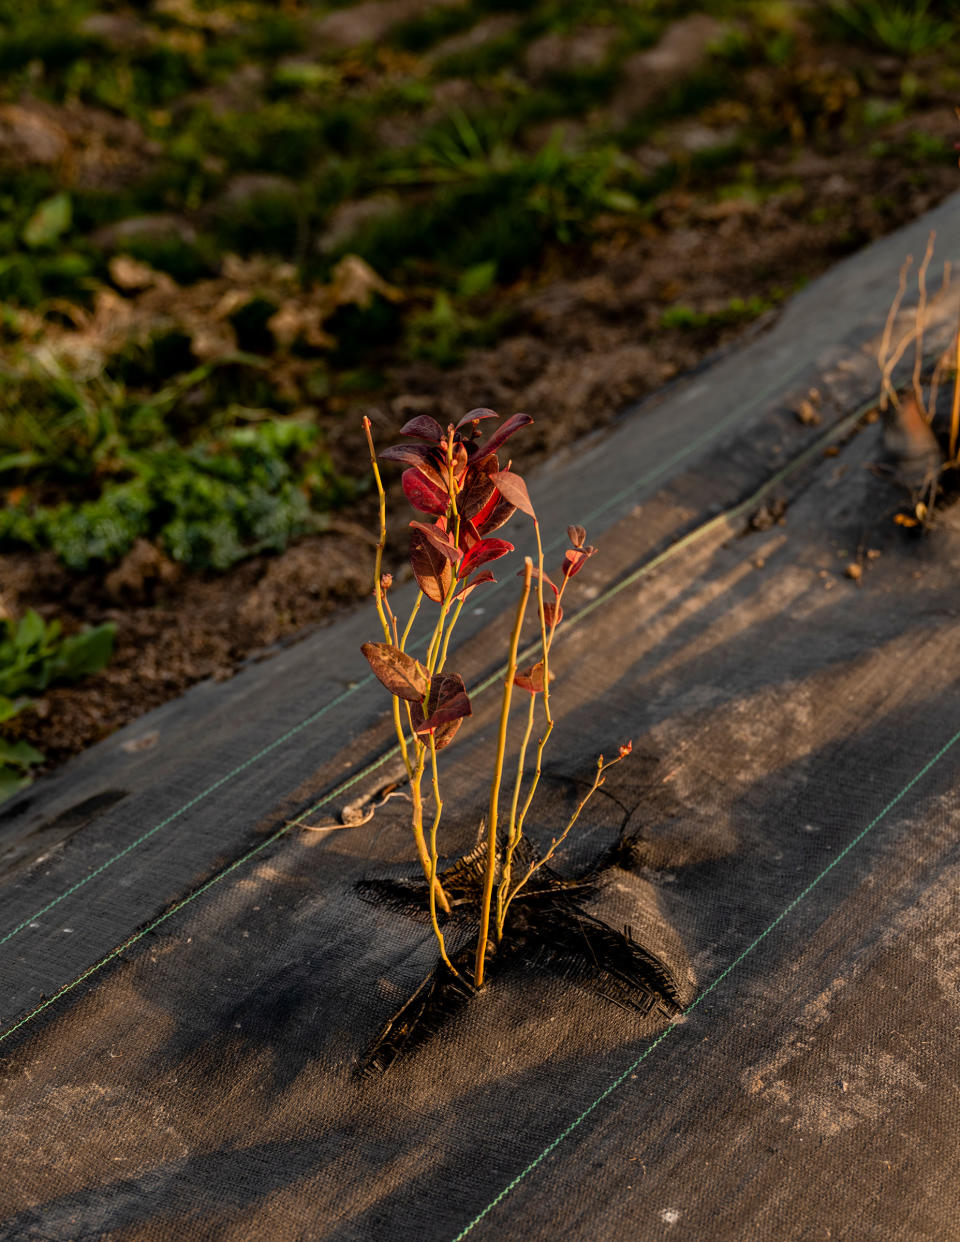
(904, 27)
(35, 654)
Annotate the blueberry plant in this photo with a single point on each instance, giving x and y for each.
(462, 495)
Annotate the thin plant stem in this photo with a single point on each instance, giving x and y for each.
(955, 410)
(437, 812)
(446, 638)
(884, 349)
(382, 538)
(920, 317)
(498, 776)
(559, 840)
(407, 628)
(416, 796)
(503, 900)
(512, 835)
(515, 829)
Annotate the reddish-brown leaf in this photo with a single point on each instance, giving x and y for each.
(400, 673)
(476, 416)
(574, 560)
(530, 679)
(500, 436)
(552, 614)
(512, 487)
(447, 705)
(430, 566)
(577, 535)
(469, 535)
(440, 540)
(477, 492)
(495, 514)
(424, 458)
(482, 552)
(482, 577)
(424, 427)
(422, 493)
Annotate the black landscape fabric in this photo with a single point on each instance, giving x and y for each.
(790, 814)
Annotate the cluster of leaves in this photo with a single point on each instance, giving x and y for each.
(35, 654)
(454, 479)
(209, 505)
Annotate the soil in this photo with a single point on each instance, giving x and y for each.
(586, 338)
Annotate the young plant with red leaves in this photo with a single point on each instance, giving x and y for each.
(453, 479)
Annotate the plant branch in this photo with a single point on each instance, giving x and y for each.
(559, 840)
(438, 811)
(382, 539)
(498, 775)
(955, 411)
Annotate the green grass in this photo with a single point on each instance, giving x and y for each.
(904, 27)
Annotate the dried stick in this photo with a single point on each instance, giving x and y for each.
(884, 348)
(920, 317)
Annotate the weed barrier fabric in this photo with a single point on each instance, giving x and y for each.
(793, 789)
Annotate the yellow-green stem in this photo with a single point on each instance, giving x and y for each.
(512, 835)
(407, 628)
(382, 538)
(446, 638)
(517, 822)
(498, 776)
(438, 811)
(955, 411)
(558, 841)
(416, 797)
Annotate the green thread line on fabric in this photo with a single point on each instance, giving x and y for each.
(692, 536)
(92, 875)
(621, 1078)
(185, 901)
(315, 716)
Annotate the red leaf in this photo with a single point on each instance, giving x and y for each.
(482, 552)
(400, 673)
(482, 577)
(447, 705)
(440, 540)
(512, 487)
(477, 493)
(476, 416)
(495, 514)
(552, 614)
(530, 679)
(422, 494)
(423, 426)
(577, 535)
(500, 436)
(469, 535)
(574, 560)
(426, 460)
(430, 567)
